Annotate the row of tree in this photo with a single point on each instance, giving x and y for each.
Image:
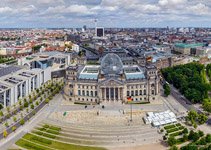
(195, 118)
(189, 79)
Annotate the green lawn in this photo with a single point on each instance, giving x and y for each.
(50, 143)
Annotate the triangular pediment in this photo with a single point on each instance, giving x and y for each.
(111, 82)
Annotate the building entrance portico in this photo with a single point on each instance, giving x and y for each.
(111, 93)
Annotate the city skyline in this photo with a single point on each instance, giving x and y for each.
(116, 13)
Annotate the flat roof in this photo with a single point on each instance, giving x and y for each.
(133, 72)
(192, 45)
(89, 72)
(5, 70)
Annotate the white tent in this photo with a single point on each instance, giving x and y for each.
(161, 118)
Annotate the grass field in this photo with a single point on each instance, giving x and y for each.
(36, 141)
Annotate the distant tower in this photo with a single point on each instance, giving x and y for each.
(95, 21)
(84, 27)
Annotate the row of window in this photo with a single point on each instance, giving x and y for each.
(152, 72)
(138, 92)
(87, 93)
(138, 86)
(92, 100)
(87, 86)
(135, 86)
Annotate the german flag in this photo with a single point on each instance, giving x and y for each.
(129, 99)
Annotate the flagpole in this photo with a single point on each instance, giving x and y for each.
(131, 112)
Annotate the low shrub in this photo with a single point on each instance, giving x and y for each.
(169, 126)
(178, 124)
(176, 133)
(172, 130)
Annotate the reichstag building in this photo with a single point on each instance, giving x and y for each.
(111, 81)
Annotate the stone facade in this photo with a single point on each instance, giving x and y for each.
(112, 87)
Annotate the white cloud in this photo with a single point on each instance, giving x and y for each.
(171, 2)
(200, 9)
(5, 10)
(72, 9)
(28, 9)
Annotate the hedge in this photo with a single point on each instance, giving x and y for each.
(55, 128)
(178, 124)
(42, 140)
(53, 132)
(172, 130)
(176, 133)
(169, 126)
(44, 134)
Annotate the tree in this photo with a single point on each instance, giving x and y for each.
(5, 133)
(26, 104)
(207, 105)
(201, 133)
(8, 109)
(185, 131)
(14, 128)
(20, 102)
(202, 118)
(174, 148)
(22, 121)
(21, 107)
(1, 114)
(195, 125)
(190, 136)
(171, 141)
(167, 89)
(185, 137)
(32, 106)
(208, 138)
(6, 124)
(1, 106)
(30, 100)
(14, 119)
(195, 136)
(46, 100)
(188, 79)
(192, 114)
(37, 103)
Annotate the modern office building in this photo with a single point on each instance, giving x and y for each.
(99, 31)
(111, 81)
(17, 82)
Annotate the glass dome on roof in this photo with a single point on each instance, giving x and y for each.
(111, 64)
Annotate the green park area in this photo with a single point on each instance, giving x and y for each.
(47, 138)
(179, 137)
(192, 80)
(4, 60)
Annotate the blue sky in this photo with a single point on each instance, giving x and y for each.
(109, 13)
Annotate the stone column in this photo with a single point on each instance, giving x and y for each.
(119, 98)
(109, 89)
(21, 91)
(33, 82)
(104, 93)
(114, 93)
(5, 100)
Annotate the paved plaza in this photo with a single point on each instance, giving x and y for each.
(108, 127)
